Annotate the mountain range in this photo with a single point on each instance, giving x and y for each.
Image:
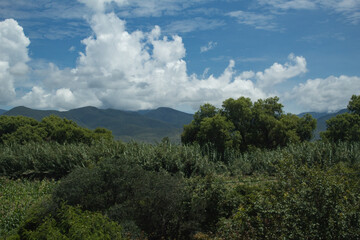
(143, 125)
(146, 126)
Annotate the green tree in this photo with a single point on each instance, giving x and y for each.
(354, 104)
(346, 126)
(190, 133)
(239, 112)
(10, 125)
(22, 130)
(241, 125)
(219, 132)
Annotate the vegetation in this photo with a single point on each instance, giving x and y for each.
(16, 196)
(244, 125)
(222, 186)
(23, 130)
(346, 126)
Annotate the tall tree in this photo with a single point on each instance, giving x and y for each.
(346, 126)
(241, 124)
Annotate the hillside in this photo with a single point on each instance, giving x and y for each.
(169, 115)
(2, 111)
(148, 126)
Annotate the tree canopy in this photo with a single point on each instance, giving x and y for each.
(346, 126)
(21, 129)
(242, 124)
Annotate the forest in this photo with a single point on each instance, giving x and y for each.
(246, 170)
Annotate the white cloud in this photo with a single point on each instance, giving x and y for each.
(259, 21)
(279, 73)
(350, 9)
(292, 4)
(329, 94)
(135, 70)
(99, 6)
(139, 70)
(208, 47)
(13, 57)
(191, 25)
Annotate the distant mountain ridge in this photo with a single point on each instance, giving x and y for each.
(2, 111)
(147, 126)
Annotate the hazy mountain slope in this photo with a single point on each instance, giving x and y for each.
(2, 111)
(125, 125)
(28, 112)
(170, 116)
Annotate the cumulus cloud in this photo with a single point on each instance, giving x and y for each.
(132, 70)
(135, 70)
(13, 57)
(279, 73)
(326, 95)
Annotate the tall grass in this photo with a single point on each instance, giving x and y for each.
(53, 160)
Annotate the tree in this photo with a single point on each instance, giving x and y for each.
(239, 112)
(22, 130)
(220, 132)
(191, 130)
(346, 126)
(354, 104)
(241, 125)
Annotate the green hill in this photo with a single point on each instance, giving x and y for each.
(148, 127)
(2, 111)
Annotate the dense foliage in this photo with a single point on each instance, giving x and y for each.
(178, 192)
(278, 187)
(16, 196)
(22, 130)
(67, 222)
(241, 124)
(346, 126)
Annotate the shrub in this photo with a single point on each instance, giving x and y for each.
(304, 203)
(126, 192)
(68, 222)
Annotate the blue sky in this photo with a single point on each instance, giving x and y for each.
(136, 54)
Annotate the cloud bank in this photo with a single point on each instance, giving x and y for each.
(13, 58)
(142, 70)
(135, 70)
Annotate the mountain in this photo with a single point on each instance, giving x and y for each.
(169, 115)
(2, 111)
(321, 120)
(147, 126)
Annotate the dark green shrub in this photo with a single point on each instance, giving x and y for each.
(67, 222)
(126, 192)
(304, 203)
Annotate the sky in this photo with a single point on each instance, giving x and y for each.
(144, 54)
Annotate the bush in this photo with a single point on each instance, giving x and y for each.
(16, 196)
(304, 203)
(126, 192)
(68, 222)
